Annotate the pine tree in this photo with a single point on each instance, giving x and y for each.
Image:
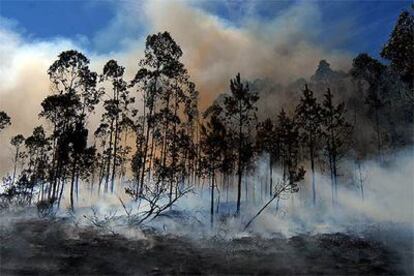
(400, 48)
(287, 136)
(309, 119)
(337, 132)
(213, 144)
(240, 112)
(373, 72)
(266, 143)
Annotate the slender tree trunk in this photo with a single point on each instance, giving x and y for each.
(379, 146)
(62, 179)
(227, 189)
(335, 177)
(52, 190)
(151, 157)
(271, 175)
(261, 189)
(361, 182)
(16, 158)
(101, 176)
(115, 156)
(154, 92)
(72, 184)
(144, 159)
(108, 161)
(239, 169)
(61, 193)
(212, 200)
(312, 160)
(77, 185)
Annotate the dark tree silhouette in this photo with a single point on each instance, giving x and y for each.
(165, 130)
(37, 146)
(372, 71)
(266, 142)
(400, 48)
(240, 111)
(116, 119)
(213, 145)
(17, 142)
(4, 120)
(337, 132)
(75, 97)
(160, 63)
(309, 119)
(287, 136)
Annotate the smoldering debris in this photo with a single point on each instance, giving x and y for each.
(39, 246)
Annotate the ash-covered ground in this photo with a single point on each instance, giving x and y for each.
(34, 246)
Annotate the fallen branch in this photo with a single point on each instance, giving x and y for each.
(125, 208)
(267, 204)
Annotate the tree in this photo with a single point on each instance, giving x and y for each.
(372, 71)
(213, 145)
(309, 119)
(240, 110)
(164, 142)
(287, 136)
(159, 65)
(60, 110)
(4, 120)
(38, 146)
(115, 119)
(400, 48)
(74, 98)
(16, 141)
(266, 143)
(336, 130)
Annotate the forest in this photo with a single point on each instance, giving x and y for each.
(260, 150)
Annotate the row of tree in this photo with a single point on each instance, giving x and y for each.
(176, 147)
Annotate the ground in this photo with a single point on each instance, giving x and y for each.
(55, 247)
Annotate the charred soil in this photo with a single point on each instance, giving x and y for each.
(56, 247)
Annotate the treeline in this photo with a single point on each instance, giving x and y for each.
(177, 147)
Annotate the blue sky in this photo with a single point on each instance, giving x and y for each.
(370, 21)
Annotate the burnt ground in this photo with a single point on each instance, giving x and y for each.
(41, 247)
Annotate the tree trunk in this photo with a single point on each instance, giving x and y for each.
(72, 184)
(144, 159)
(15, 164)
(361, 182)
(212, 200)
(239, 169)
(379, 146)
(312, 160)
(271, 175)
(115, 156)
(108, 161)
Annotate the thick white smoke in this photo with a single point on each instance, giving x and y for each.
(388, 194)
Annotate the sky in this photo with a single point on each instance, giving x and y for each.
(83, 21)
(278, 40)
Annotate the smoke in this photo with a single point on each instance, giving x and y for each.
(283, 49)
(387, 201)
